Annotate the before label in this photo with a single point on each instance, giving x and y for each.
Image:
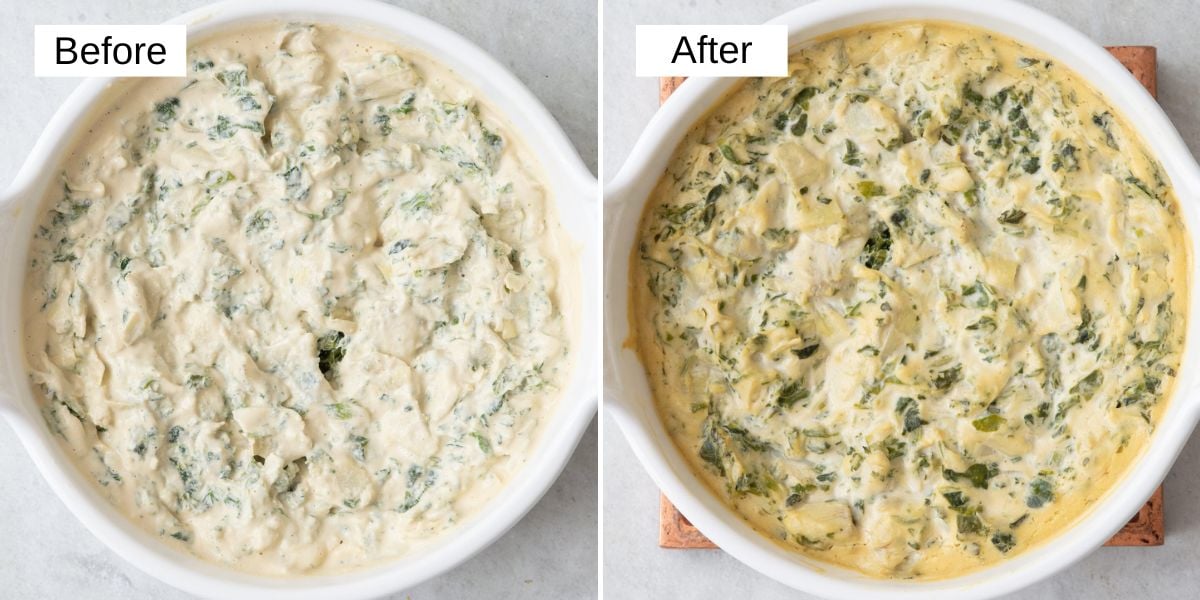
(109, 50)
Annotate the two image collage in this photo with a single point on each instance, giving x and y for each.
(622, 299)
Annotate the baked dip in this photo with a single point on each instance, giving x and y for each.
(917, 305)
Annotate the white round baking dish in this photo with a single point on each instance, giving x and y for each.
(572, 186)
(627, 393)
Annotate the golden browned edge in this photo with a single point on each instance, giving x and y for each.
(1146, 528)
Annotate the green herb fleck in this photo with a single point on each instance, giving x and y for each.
(978, 474)
(790, 394)
(946, 379)
(339, 410)
(1012, 216)
(852, 157)
(484, 445)
(358, 447)
(331, 349)
(199, 381)
(223, 130)
(259, 221)
(803, 96)
(969, 523)
(955, 499)
(710, 207)
(166, 109)
(712, 448)
(870, 189)
(910, 412)
(989, 423)
(1041, 493)
(878, 247)
(801, 125)
(1003, 541)
(217, 178)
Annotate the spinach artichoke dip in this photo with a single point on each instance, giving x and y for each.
(306, 309)
(916, 306)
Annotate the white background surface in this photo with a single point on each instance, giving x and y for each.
(46, 554)
(634, 566)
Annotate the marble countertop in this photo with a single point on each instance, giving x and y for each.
(46, 553)
(635, 567)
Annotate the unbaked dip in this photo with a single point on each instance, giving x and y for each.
(303, 310)
(917, 305)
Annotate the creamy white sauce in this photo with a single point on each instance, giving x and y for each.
(303, 310)
(916, 306)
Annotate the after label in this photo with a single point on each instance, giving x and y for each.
(711, 50)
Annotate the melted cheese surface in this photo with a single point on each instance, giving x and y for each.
(304, 309)
(917, 305)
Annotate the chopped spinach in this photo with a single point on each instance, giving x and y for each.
(870, 189)
(1012, 216)
(910, 413)
(485, 446)
(878, 247)
(978, 474)
(969, 523)
(712, 447)
(166, 110)
(710, 207)
(946, 379)
(790, 394)
(852, 156)
(331, 349)
(989, 423)
(1041, 493)
(955, 499)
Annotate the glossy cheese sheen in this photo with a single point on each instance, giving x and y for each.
(915, 307)
(303, 310)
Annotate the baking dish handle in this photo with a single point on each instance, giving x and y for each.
(8, 402)
(8, 218)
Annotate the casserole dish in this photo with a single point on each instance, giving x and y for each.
(629, 395)
(572, 186)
